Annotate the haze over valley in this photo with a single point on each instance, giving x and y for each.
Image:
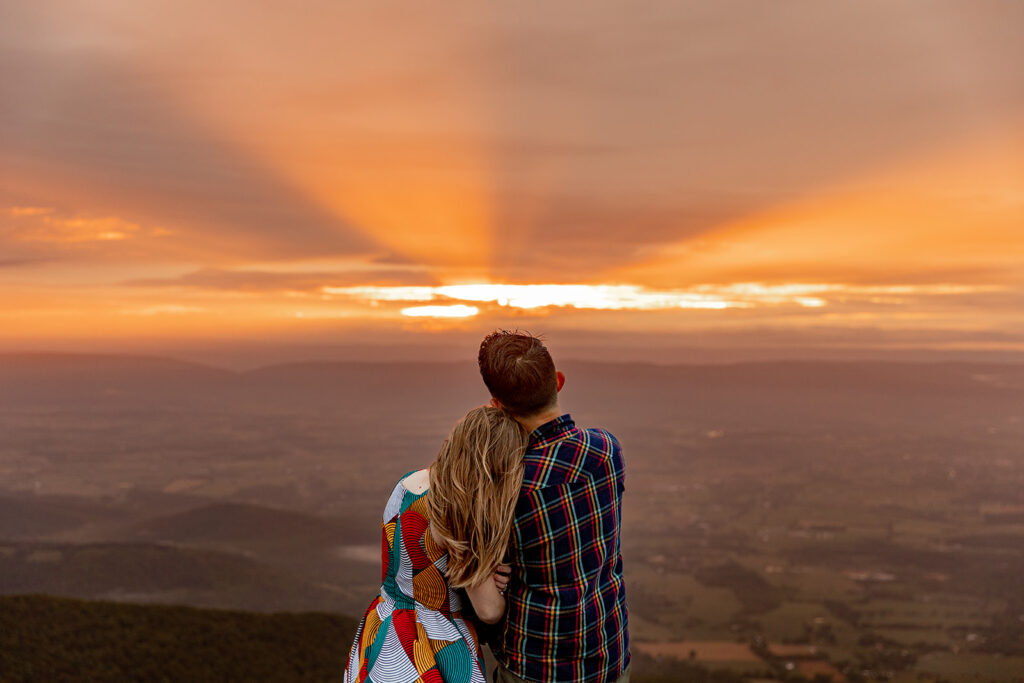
(871, 511)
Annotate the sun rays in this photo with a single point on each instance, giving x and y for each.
(398, 169)
(954, 213)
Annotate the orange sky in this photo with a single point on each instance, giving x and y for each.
(850, 172)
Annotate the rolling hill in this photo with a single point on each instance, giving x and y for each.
(161, 573)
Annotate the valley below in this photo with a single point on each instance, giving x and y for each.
(831, 521)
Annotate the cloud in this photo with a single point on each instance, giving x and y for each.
(163, 309)
(250, 280)
(835, 302)
(20, 262)
(539, 233)
(69, 230)
(20, 211)
(90, 131)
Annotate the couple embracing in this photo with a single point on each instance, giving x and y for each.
(520, 514)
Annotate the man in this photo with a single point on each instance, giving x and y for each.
(566, 618)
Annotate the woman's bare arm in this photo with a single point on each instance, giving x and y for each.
(488, 602)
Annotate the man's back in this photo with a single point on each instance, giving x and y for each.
(566, 616)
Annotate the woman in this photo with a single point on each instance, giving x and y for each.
(445, 528)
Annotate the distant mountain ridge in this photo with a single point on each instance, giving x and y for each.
(763, 391)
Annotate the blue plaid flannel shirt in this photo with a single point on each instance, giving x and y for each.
(566, 618)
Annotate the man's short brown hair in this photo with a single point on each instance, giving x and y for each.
(518, 371)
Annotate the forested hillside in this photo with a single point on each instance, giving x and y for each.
(58, 639)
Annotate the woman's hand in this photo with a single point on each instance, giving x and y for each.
(501, 577)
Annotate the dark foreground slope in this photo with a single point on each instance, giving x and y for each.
(58, 639)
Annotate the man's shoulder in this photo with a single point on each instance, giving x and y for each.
(602, 437)
(561, 461)
(564, 432)
(591, 439)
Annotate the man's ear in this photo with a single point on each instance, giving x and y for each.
(560, 378)
(497, 404)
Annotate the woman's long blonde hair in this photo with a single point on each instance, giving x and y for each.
(474, 483)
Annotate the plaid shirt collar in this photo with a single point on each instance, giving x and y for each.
(551, 430)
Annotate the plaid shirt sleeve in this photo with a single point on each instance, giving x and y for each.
(567, 614)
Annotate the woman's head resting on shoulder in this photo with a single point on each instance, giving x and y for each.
(474, 484)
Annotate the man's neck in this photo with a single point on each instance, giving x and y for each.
(533, 421)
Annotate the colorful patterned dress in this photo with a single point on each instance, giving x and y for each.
(414, 631)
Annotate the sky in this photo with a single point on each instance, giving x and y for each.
(841, 175)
